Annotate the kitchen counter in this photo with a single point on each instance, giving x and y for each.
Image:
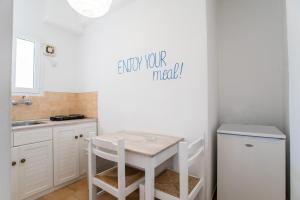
(48, 123)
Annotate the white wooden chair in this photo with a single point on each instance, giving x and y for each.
(119, 181)
(171, 185)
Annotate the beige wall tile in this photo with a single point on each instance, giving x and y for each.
(57, 103)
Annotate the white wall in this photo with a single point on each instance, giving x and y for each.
(293, 18)
(134, 100)
(29, 21)
(5, 71)
(213, 112)
(252, 61)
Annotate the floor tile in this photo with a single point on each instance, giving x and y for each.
(79, 191)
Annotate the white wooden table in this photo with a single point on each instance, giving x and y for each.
(146, 151)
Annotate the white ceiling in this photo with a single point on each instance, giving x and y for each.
(61, 15)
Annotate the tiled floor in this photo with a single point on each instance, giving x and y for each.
(79, 191)
(75, 191)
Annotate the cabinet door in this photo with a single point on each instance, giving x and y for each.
(86, 131)
(14, 174)
(35, 171)
(66, 156)
(250, 168)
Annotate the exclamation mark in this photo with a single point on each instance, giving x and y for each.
(181, 69)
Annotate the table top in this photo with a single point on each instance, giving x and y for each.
(148, 144)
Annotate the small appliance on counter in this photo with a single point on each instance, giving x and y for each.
(67, 117)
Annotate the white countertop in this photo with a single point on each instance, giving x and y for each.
(48, 123)
(251, 130)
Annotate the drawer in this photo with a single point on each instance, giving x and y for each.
(32, 136)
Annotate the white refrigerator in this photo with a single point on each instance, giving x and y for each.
(251, 163)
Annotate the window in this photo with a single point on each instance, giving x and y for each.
(26, 68)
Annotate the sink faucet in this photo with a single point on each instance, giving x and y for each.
(25, 100)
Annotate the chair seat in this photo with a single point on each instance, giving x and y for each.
(168, 182)
(111, 176)
(133, 196)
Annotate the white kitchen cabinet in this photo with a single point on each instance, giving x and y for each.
(86, 131)
(66, 156)
(70, 158)
(32, 169)
(251, 163)
(44, 157)
(23, 137)
(14, 174)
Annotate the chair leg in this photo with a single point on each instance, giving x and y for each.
(91, 174)
(92, 192)
(122, 197)
(142, 192)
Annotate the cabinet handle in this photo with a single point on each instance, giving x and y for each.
(80, 135)
(249, 145)
(76, 137)
(23, 160)
(13, 163)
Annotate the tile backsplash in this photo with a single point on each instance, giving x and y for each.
(57, 103)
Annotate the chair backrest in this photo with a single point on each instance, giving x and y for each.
(194, 150)
(112, 151)
(188, 154)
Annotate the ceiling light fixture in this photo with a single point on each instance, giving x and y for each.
(91, 8)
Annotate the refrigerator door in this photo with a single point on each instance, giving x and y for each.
(251, 168)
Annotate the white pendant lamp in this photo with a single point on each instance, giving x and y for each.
(91, 8)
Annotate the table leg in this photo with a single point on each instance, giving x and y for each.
(91, 173)
(149, 182)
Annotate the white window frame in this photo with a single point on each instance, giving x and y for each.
(37, 69)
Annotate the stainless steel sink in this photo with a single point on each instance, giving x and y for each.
(26, 123)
